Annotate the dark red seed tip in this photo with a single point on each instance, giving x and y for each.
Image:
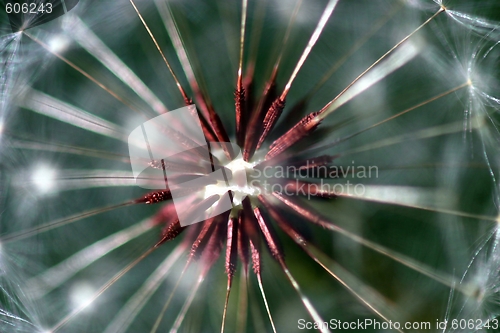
(155, 197)
(302, 129)
(170, 232)
(271, 118)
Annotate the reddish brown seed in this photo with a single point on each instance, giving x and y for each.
(212, 131)
(293, 116)
(302, 210)
(191, 147)
(170, 232)
(217, 126)
(243, 242)
(271, 118)
(254, 128)
(232, 246)
(202, 238)
(164, 195)
(239, 98)
(250, 224)
(207, 129)
(207, 226)
(196, 210)
(220, 132)
(155, 197)
(270, 236)
(282, 222)
(302, 129)
(185, 97)
(210, 121)
(215, 242)
(192, 231)
(256, 260)
(248, 87)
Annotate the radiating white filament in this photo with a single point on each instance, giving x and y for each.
(397, 60)
(90, 42)
(54, 108)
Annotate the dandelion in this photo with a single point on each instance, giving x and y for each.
(366, 188)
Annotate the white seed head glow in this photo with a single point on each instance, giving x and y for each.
(43, 177)
(81, 295)
(238, 184)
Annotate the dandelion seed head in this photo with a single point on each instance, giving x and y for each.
(408, 147)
